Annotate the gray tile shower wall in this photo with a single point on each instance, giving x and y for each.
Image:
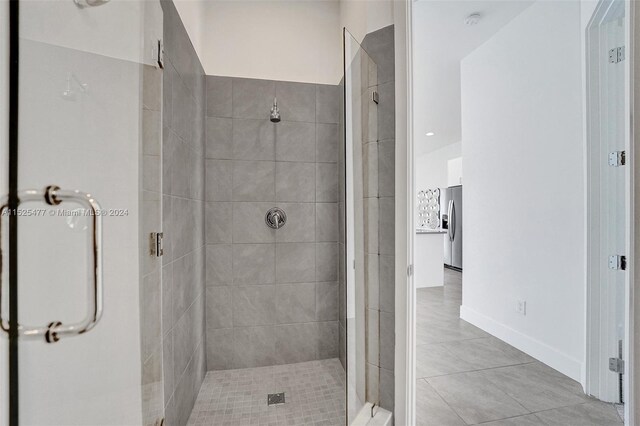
(271, 295)
(380, 211)
(183, 206)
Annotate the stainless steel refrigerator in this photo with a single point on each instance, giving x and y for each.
(451, 208)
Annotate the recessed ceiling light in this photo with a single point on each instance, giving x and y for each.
(430, 133)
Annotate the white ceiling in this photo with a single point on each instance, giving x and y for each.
(441, 40)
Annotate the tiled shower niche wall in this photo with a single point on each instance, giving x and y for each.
(271, 295)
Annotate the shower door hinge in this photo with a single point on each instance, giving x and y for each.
(616, 55)
(409, 270)
(618, 262)
(375, 97)
(155, 243)
(616, 365)
(160, 54)
(617, 158)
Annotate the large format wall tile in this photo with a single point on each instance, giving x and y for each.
(252, 98)
(297, 342)
(248, 223)
(301, 223)
(327, 103)
(327, 339)
(254, 346)
(326, 182)
(219, 308)
(327, 143)
(326, 301)
(219, 216)
(254, 305)
(184, 176)
(254, 180)
(254, 264)
(295, 181)
(326, 261)
(219, 98)
(254, 140)
(326, 222)
(279, 285)
(219, 175)
(219, 269)
(297, 101)
(219, 138)
(295, 141)
(295, 262)
(295, 303)
(220, 353)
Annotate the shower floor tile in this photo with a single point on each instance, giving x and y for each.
(314, 391)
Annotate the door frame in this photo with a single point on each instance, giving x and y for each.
(405, 303)
(595, 359)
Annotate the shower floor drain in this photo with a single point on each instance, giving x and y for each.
(275, 398)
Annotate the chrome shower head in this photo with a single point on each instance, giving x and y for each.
(275, 112)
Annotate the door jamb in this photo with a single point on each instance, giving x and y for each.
(404, 377)
(593, 361)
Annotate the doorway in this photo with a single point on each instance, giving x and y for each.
(528, 244)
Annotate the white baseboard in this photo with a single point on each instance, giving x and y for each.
(541, 351)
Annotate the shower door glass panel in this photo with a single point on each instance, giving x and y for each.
(360, 82)
(80, 109)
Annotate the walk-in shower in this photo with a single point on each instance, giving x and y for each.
(231, 209)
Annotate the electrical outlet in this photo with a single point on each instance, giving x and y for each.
(521, 307)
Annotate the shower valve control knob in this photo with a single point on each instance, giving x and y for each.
(275, 218)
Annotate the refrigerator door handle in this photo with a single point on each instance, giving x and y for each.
(452, 221)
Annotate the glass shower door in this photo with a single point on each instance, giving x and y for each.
(362, 311)
(70, 240)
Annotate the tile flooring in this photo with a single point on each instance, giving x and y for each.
(314, 392)
(468, 377)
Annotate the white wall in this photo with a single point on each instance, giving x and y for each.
(454, 171)
(524, 185)
(362, 17)
(432, 167)
(279, 40)
(192, 14)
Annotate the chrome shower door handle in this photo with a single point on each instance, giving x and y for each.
(53, 196)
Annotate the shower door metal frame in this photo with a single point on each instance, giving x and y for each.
(14, 49)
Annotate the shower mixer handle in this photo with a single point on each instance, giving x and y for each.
(275, 218)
